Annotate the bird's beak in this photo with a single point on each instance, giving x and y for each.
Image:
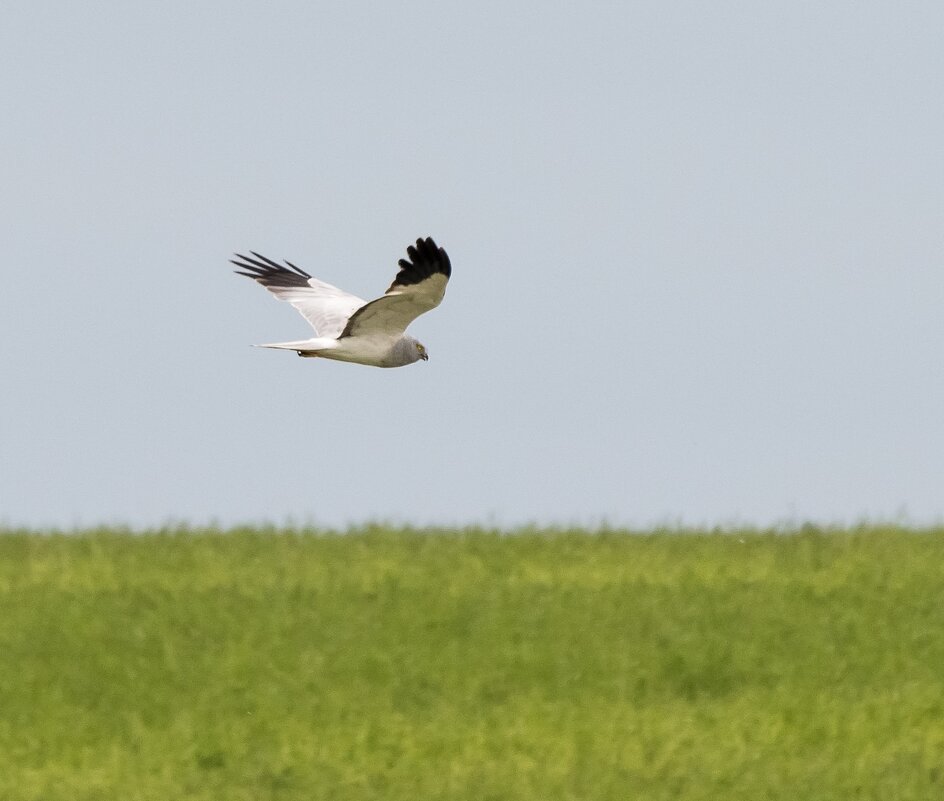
(425, 357)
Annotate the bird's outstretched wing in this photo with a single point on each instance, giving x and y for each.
(326, 307)
(418, 287)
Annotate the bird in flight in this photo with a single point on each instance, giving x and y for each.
(348, 328)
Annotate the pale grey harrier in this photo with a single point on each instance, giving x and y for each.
(350, 329)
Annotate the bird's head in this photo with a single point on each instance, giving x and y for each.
(421, 351)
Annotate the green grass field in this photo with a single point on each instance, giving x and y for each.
(389, 664)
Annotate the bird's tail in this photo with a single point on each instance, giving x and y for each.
(308, 347)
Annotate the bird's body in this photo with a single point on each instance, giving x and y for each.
(348, 328)
(373, 350)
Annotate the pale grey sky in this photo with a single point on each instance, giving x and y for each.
(698, 255)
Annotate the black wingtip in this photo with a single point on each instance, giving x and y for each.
(267, 272)
(426, 259)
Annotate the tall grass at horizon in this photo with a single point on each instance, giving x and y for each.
(398, 664)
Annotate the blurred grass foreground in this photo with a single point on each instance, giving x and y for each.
(395, 664)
